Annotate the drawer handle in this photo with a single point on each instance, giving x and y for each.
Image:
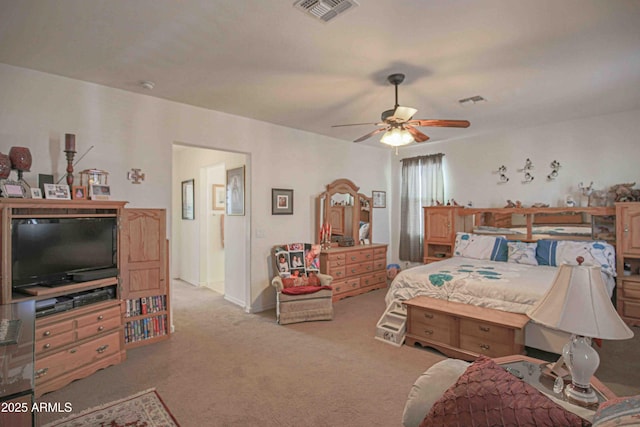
(484, 328)
(485, 346)
(100, 328)
(100, 317)
(339, 273)
(353, 258)
(353, 271)
(102, 348)
(368, 256)
(428, 331)
(366, 282)
(428, 315)
(46, 346)
(41, 372)
(46, 333)
(73, 350)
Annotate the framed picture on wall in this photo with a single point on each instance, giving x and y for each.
(379, 199)
(188, 211)
(218, 197)
(235, 191)
(281, 201)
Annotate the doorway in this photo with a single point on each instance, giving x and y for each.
(200, 254)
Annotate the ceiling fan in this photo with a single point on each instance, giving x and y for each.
(399, 125)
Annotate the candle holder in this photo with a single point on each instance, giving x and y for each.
(70, 155)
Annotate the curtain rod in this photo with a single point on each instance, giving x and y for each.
(423, 157)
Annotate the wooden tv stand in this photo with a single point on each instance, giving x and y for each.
(73, 344)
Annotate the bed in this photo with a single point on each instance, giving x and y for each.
(495, 273)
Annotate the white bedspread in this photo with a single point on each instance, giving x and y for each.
(499, 285)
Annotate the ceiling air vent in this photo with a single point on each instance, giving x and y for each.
(325, 10)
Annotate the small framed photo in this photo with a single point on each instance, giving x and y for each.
(281, 201)
(218, 197)
(36, 193)
(57, 191)
(79, 192)
(12, 189)
(99, 192)
(379, 199)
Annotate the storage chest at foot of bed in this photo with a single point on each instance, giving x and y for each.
(464, 331)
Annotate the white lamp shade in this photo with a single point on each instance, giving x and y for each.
(397, 137)
(578, 303)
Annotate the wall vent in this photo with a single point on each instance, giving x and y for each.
(324, 10)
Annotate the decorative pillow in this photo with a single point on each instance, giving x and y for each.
(622, 411)
(558, 252)
(304, 290)
(364, 231)
(290, 282)
(487, 395)
(297, 259)
(476, 246)
(429, 387)
(522, 253)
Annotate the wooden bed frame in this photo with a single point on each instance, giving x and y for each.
(504, 333)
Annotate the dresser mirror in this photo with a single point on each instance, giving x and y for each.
(345, 210)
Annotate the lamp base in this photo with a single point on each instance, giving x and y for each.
(580, 395)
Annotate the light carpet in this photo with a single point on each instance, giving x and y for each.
(144, 409)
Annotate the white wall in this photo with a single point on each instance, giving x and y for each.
(131, 130)
(601, 149)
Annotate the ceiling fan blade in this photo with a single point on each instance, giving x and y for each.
(441, 123)
(417, 135)
(404, 113)
(355, 124)
(370, 134)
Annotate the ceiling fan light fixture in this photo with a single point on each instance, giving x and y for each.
(397, 137)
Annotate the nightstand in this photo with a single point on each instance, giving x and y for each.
(530, 371)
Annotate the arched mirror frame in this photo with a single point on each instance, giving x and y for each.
(323, 206)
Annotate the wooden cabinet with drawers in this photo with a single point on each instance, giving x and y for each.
(76, 343)
(628, 252)
(355, 269)
(464, 331)
(441, 223)
(90, 335)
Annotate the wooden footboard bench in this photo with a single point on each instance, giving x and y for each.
(464, 331)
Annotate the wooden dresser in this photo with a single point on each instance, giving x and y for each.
(355, 269)
(464, 331)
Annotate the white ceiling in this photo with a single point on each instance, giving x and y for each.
(535, 61)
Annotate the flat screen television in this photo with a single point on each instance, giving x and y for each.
(48, 251)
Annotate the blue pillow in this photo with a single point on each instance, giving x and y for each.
(546, 252)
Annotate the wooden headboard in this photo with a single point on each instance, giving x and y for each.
(600, 220)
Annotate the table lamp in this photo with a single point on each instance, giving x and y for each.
(577, 302)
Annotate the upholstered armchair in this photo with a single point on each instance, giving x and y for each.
(303, 293)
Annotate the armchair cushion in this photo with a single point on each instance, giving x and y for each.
(304, 290)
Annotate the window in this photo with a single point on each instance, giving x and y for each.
(422, 185)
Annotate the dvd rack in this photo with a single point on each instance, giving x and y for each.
(145, 328)
(145, 318)
(145, 305)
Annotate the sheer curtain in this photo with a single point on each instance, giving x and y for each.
(422, 184)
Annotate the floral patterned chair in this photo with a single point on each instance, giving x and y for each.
(303, 293)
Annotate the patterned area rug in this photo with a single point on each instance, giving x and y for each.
(145, 409)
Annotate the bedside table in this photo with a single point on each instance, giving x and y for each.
(531, 372)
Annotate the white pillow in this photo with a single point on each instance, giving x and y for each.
(364, 230)
(429, 387)
(478, 246)
(522, 253)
